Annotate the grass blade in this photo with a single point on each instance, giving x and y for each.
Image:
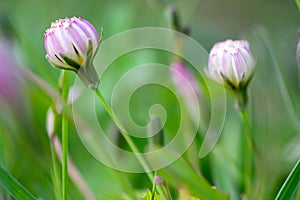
(281, 81)
(15, 188)
(298, 3)
(290, 184)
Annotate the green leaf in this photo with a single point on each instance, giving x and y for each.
(298, 3)
(291, 183)
(184, 195)
(17, 190)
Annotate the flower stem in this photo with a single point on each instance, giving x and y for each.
(169, 197)
(125, 135)
(241, 98)
(249, 132)
(65, 138)
(55, 176)
(153, 193)
(251, 159)
(128, 139)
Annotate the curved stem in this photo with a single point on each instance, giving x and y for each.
(125, 135)
(128, 139)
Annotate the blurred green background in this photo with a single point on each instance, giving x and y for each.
(270, 27)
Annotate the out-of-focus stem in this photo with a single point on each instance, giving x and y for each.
(55, 176)
(73, 172)
(169, 197)
(56, 148)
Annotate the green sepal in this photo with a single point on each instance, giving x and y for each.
(87, 72)
(65, 68)
(90, 55)
(71, 63)
(241, 98)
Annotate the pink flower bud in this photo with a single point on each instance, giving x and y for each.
(71, 44)
(231, 63)
(158, 180)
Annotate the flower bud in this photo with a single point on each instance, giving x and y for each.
(231, 63)
(158, 180)
(71, 44)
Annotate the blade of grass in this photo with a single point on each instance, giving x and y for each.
(291, 183)
(15, 188)
(298, 3)
(281, 81)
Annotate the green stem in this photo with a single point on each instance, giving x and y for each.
(298, 191)
(55, 176)
(241, 98)
(169, 197)
(65, 156)
(248, 131)
(249, 162)
(153, 187)
(65, 127)
(127, 138)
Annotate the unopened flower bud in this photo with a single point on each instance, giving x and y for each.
(71, 44)
(158, 180)
(231, 64)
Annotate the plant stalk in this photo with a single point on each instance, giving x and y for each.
(251, 159)
(65, 137)
(128, 139)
